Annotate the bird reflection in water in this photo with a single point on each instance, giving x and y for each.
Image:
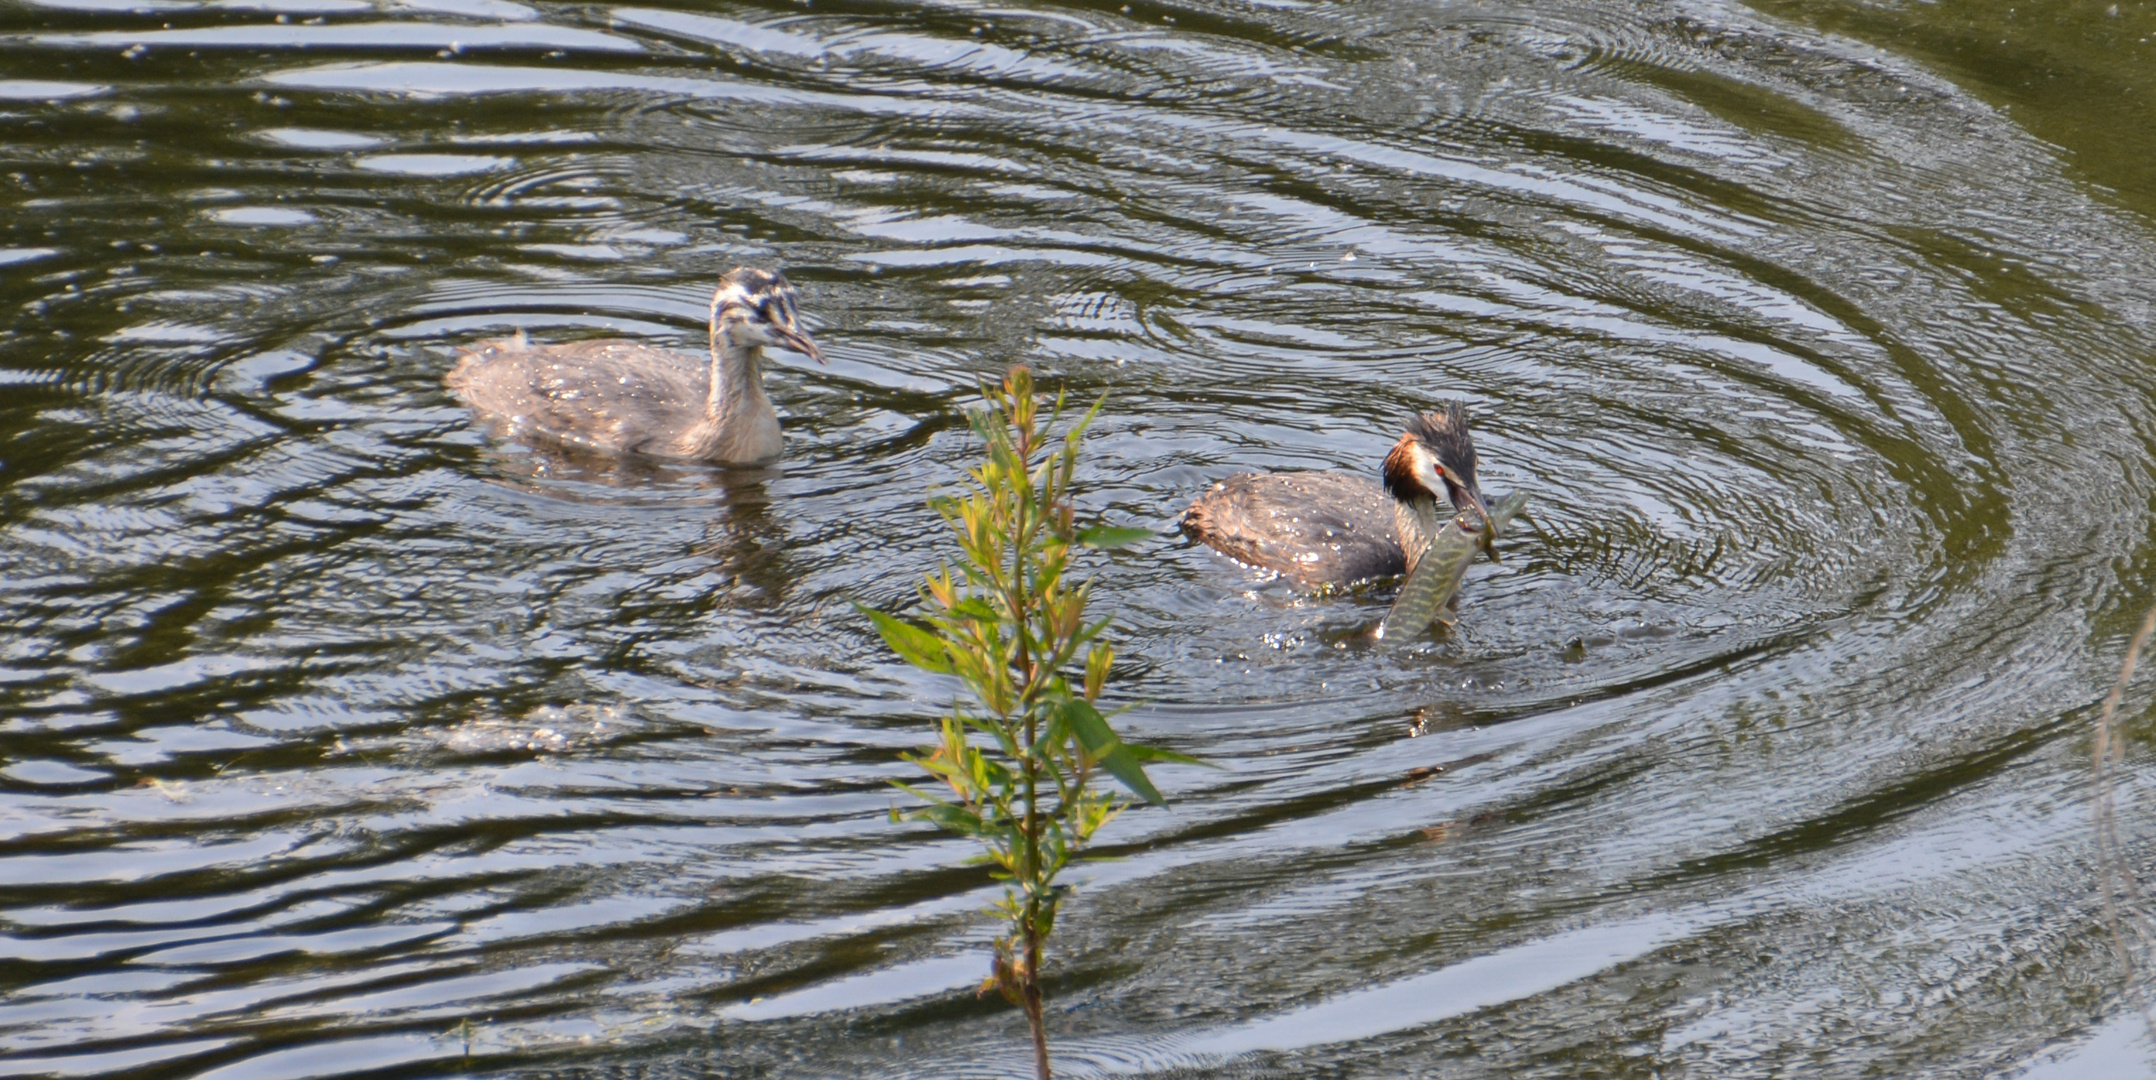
(743, 544)
(746, 544)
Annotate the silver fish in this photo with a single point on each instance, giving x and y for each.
(1436, 577)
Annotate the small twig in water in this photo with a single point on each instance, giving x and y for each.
(2124, 906)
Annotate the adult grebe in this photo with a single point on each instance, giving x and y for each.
(1331, 528)
(620, 397)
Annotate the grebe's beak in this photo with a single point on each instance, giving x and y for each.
(1482, 509)
(799, 341)
(1465, 497)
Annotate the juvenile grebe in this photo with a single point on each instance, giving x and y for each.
(621, 397)
(1331, 528)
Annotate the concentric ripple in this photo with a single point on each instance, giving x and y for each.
(338, 739)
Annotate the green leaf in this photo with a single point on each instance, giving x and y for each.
(1097, 661)
(951, 818)
(912, 644)
(1155, 753)
(973, 607)
(1106, 537)
(1100, 740)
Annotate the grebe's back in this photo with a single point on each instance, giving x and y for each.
(1314, 528)
(607, 397)
(1332, 528)
(623, 397)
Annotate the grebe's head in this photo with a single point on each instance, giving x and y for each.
(756, 307)
(1435, 455)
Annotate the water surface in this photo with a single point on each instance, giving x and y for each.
(337, 739)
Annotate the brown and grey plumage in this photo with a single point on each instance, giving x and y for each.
(1331, 528)
(623, 397)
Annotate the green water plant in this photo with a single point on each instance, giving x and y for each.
(1018, 765)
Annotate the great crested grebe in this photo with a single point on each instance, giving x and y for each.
(1331, 528)
(621, 397)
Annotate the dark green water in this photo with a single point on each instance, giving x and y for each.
(336, 738)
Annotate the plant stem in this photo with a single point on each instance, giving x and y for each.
(1031, 988)
(1008, 625)
(1029, 982)
(2124, 907)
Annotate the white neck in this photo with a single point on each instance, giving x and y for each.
(1416, 522)
(740, 426)
(737, 378)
